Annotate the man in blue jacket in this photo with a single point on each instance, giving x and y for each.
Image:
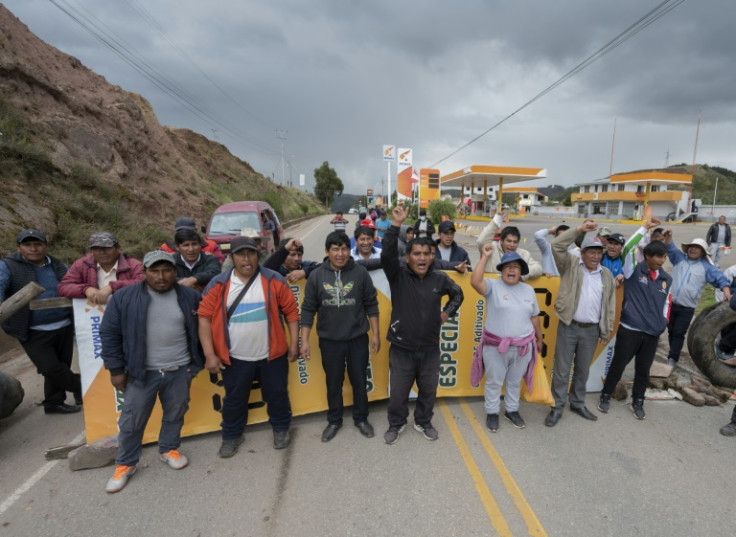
(150, 345)
(644, 316)
(692, 270)
(447, 248)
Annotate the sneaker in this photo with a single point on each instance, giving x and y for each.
(429, 432)
(280, 439)
(120, 477)
(174, 459)
(637, 407)
(492, 422)
(392, 435)
(604, 403)
(514, 418)
(729, 430)
(229, 447)
(671, 362)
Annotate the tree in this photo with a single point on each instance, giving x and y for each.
(327, 184)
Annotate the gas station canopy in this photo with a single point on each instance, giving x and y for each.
(486, 176)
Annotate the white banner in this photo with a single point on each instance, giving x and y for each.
(302, 179)
(389, 152)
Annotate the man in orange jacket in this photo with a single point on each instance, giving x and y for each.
(242, 336)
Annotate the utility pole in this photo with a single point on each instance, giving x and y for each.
(667, 158)
(281, 135)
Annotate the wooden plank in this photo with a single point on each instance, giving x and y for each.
(19, 300)
(48, 303)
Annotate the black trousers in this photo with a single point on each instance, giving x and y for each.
(406, 367)
(51, 352)
(631, 344)
(680, 317)
(336, 356)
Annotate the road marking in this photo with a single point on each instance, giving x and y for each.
(35, 478)
(532, 522)
(494, 513)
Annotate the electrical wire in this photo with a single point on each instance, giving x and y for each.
(139, 64)
(646, 20)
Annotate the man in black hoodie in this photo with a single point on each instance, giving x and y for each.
(416, 318)
(343, 294)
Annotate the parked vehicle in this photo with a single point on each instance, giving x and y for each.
(255, 219)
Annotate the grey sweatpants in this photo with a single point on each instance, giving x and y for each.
(509, 367)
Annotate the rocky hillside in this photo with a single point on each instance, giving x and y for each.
(78, 154)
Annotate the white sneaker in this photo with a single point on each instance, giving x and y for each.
(120, 478)
(174, 459)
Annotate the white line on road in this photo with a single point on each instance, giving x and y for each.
(35, 478)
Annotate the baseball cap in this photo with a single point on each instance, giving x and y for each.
(243, 243)
(103, 239)
(446, 226)
(591, 240)
(151, 258)
(30, 235)
(184, 222)
(616, 237)
(367, 222)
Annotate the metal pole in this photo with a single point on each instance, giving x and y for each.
(713, 207)
(388, 181)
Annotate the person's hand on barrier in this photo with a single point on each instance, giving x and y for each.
(119, 381)
(547, 274)
(375, 343)
(306, 351)
(295, 275)
(213, 364)
(462, 268)
(444, 317)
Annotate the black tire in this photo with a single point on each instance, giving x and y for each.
(11, 394)
(701, 338)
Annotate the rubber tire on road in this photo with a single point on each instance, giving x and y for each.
(701, 337)
(11, 394)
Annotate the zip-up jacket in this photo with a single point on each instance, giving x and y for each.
(571, 283)
(689, 277)
(279, 301)
(646, 302)
(18, 273)
(206, 268)
(712, 235)
(457, 253)
(83, 274)
(416, 302)
(345, 300)
(123, 329)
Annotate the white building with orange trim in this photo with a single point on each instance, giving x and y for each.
(626, 195)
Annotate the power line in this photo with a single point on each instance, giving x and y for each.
(149, 19)
(138, 63)
(649, 18)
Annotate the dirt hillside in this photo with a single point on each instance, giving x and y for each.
(78, 154)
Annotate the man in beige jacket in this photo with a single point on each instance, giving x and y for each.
(508, 242)
(586, 307)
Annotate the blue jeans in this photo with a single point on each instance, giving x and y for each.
(172, 388)
(238, 379)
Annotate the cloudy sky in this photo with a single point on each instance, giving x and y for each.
(344, 77)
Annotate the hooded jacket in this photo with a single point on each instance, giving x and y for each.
(344, 299)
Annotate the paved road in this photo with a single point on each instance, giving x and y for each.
(671, 475)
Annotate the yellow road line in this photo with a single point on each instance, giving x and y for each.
(532, 522)
(494, 513)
